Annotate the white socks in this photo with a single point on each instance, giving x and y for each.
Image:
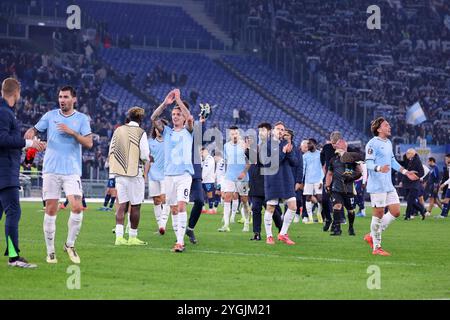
(133, 233)
(182, 222)
(288, 217)
(234, 208)
(386, 221)
(309, 207)
(74, 225)
(119, 231)
(226, 214)
(175, 224)
(375, 232)
(245, 212)
(157, 208)
(49, 232)
(268, 223)
(164, 215)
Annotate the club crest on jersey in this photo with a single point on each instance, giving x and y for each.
(370, 151)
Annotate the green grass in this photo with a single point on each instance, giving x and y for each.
(229, 266)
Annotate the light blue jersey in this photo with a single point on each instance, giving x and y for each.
(312, 167)
(156, 172)
(234, 156)
(63, 153)
(177, 152)
(379, 153)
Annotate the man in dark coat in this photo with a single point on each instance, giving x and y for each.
(279, 184)
(412, 188)
(11, 145)
(256, 183)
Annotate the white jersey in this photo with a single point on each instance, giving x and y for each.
(208, 168)
(220, 170)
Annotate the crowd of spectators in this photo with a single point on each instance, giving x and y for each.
(408, 60)
(41, 75)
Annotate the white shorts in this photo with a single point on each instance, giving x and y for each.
(54, 183)
(312, 189)
(275, 202)
(240, 187)
(177, 188)
(130, 189)
(382, 200)
(155, 188)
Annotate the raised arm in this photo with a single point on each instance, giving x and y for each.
(185, 111)
(170, 98)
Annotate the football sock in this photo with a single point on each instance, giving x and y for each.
(336, 219)
(111, 204)
(234, 208)
(351, 218)
(164, 215)
(182, 221)
(74, 224)
(386, 221)
(445, 207)
(226, 213)
(175, 224)
(107, 198)
(309, 207)
(288, 216)
(119, 230)
(268, 223)
(133, 233)
(49, 232)
(157, 209)
(375, 232)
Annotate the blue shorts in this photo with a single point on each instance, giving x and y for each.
(208, 187)
(112, 183)
(196, 191)
(447, 193)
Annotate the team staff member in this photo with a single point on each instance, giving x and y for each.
(11, 145)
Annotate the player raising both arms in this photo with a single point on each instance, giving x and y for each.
(178, 168)
(67, 132)
(380, 160)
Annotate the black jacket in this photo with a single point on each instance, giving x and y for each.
(256, 179)
(444, 178)
(11, 145)
(413, 165)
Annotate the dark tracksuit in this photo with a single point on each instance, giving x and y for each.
(445, 192)
(413, 187)
(196, 194)
(11, 144)
(257, 198)
(326, 154)
(298, 175)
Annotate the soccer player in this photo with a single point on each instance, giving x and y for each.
(156, 188)
(11, 145)
(340, 184)
(279, 183)
(432, 186)
(128, 155)
(380, 161)
(297, 171)
(178, 168)
(67, 132)
(220, 177)
(313, 177)
(235, 184)
(111, 192)
(445, 182)
(208, 178)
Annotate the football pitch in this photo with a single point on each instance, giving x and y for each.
(228, 265)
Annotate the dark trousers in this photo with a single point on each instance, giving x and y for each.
(198, 198)
(327, 206)
(9, 203)
(360, 192)
(257, 204)
(413, 203)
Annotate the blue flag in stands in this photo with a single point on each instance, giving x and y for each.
(415, 114)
